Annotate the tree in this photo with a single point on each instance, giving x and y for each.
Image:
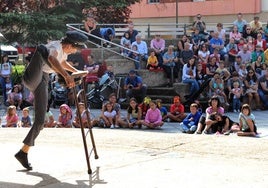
(31, 21)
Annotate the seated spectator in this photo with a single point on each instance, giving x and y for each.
(263, 89)
(221, 32)
(242, 72)
(251, 84)
(25, 119)
(189, 75)
(241, 44)
(134, 86)
(162, 109)
(125, 42)
(107, 33)
(197, 39)
(256, 53)
(246, 122)
(142, 47)
(153, 118)
(109, 115)
(49, 119)
(189, 124)
(206, 122)
(176, 112)
(27, 97)
(217, 42)
(248, 32)
(5, 71)
(135, 56)
(83, 112)
(15, 97)
(116, 107)
(152, 62)
(255, 25)
(211, 67)
(266, 56)
(240, 22)
(144, 106)
(65, 117)
(203, 55)
(224, 73)
(260, 42)
(93, 68)
(238, 62)
(169, 65)
(245, 55)
(134, 114)
(158, 44)
(12, 117)
(9, 85)
(90, 26)
(232, 49)
(216, 86)
(185, 56)
(257, 66)
(200, 76)
(132, 32)
(235, 34)
(200, 25)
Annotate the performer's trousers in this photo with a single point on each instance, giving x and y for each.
(37, 81)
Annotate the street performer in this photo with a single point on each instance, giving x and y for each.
(47, 59)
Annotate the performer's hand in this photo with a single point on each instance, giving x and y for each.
(69, 81)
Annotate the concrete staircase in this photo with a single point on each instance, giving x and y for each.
(156, 81)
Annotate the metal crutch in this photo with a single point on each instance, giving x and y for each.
(83, 95)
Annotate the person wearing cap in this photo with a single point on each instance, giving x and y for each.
(240, 22)
(255, 24)
(134, 86)
(47, 59)
(158, 45)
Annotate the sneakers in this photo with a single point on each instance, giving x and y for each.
(112, 127)
(234, 111)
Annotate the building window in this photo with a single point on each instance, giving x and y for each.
(153, 1)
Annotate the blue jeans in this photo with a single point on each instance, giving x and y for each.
(194, 85)
(188, 127)
(236, 104)
(263, 97)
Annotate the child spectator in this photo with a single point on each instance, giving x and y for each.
(109, 115)
(134, 114)
(176, 110)
(189, 124)
(65, 117)
(162, 109)
(25, 119)
(217, 87)
(135, 55)
(246, 122)
(224, 73)
(242, 72)
(15, 97)
(49, 119)
(8, 85)
(237, 92)
(12, 117)
(153, 118)
(83, 112)
(125, 41)
(152, 62)
(144, 106)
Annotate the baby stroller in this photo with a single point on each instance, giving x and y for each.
(58, 93)
(101, 90)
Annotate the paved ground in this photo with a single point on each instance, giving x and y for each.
(144, 158)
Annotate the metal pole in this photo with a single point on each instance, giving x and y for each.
(177, 21)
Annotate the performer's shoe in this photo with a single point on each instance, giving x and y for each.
(79, 74)
(22, 157)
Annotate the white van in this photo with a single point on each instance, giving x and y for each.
(11, 51)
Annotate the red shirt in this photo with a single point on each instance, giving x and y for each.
(176, 109)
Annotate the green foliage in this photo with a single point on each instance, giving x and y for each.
(34, 22)
(17, 73)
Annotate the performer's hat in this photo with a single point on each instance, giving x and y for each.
(76, 38)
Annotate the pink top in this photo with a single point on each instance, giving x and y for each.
(153, 116)
(236, 36)
(220, 110)
(12, 119)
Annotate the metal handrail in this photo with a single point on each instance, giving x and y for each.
(103, 41)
